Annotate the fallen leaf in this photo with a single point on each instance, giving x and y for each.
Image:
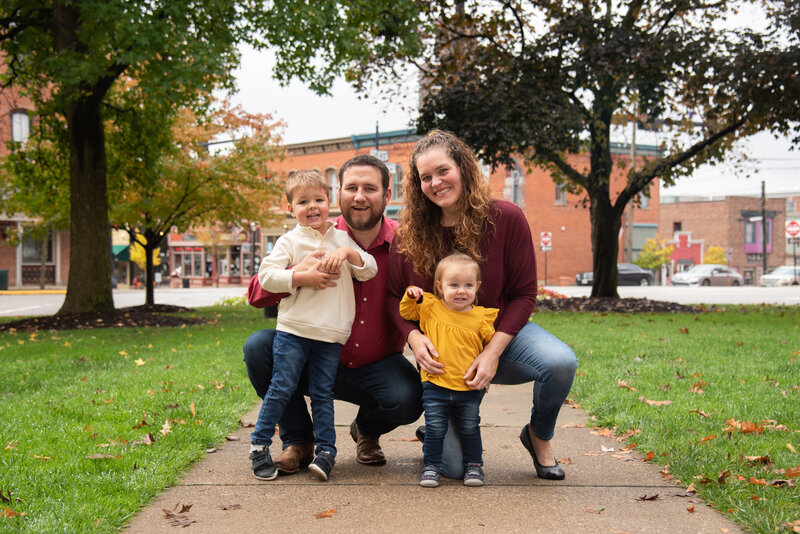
(4, 498)
(141, 423)
(165, 428)
(646, 497)
(623, 384)
(605, 432)
(759, 481)
(781, 482)
(218, 384)
(98, 456)
(565, 461)
(326, 514)
(232, 438)
(597, 511)
(606, 449)
(230, 506)
(649, 456)
(43, 457)
(211, 450)
(12, 445)
(691, 488)
(8, 512)
(707, 439)
(690, 508)
(139, 361)
(722, 476)
(655, 403)
(191, 409)
(683, 330)
(755, 498)
(791, 448)
(792, 472)
(758, 459)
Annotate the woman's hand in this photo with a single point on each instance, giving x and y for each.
(425, 352)
(480, 374)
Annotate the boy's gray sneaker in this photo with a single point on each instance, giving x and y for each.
(322, 465)
(473, 475)
(262, 465)
(430, 477)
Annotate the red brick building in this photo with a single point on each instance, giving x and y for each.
(733, 223)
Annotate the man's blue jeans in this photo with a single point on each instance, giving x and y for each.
(291, 353)
(534, 355)
(461, 409)
(388, 392)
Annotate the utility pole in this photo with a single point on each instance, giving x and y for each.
(629, 236)
(764, 228)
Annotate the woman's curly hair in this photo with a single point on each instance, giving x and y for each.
(420, 235)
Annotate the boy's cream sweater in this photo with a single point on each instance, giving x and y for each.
(320, 314)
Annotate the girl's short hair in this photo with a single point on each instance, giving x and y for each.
(456, 259)
(305, 178)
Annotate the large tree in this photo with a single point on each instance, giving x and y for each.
(165, 170)
(546, 79)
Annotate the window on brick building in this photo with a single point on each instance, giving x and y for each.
(561, 194)
(676, 227)
(333, 185)
(396, 172)
(750, 233)
(32, 250)
(20, 126)
(644, 201)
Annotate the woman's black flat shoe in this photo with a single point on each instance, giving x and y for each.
(550, 472)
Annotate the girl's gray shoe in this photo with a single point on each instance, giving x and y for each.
(430, 477)
(473, 475)
(262, 465)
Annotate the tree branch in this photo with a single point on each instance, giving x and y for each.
(564, 167)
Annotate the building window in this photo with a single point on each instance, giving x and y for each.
(561, 194)
(396, 172)
(20, 126)
(644, 201)
(32, 250)
(190, 261)
(333, 185)
(676, 227)
(749, 233)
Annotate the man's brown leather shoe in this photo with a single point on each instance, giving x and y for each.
(368, 450)
(293, 457)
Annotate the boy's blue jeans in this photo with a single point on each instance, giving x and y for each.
(291, 353)
(462, 409)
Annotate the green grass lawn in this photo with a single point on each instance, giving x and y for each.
(732, 380)
(75, 404)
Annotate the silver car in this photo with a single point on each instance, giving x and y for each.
(708, 274)
(785, 275)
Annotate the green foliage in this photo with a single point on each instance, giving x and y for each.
(715, 254)
(546, 80)
(78, 394)
(717, 369)
(654, 254)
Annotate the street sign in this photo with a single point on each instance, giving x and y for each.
(546, 248)
(382, 155)
(546, 240)
(792, 229)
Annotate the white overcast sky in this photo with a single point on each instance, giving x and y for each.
(310, 117)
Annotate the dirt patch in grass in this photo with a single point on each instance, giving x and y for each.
(135, 316)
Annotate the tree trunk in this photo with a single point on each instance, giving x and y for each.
(89, 285)
(153, 242)
(606, 223)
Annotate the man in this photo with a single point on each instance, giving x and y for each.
(373, 373)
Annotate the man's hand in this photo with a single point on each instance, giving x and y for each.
(425, 352)
(311, 261)
(414, 292)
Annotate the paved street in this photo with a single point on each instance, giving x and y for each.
(14, 303)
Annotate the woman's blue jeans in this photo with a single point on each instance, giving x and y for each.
(534, 355)
(462, 410)
(291, 353)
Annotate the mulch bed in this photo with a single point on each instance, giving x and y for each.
(153, 316)
(135, 316)
(606, 305)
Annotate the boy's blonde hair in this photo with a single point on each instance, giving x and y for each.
(305, 178)
(456, 259)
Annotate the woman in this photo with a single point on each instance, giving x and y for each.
(448, 206)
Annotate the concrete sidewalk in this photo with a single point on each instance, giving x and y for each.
(601, 493)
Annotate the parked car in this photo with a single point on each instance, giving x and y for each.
(708, 274)
(785, 275)
(629, 275)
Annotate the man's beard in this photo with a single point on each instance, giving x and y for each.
(368, 224)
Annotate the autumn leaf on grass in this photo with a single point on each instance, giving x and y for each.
(701, 412)
(698, 386)
(649, 456)
(165, 428)
(788, 446)
(141, 423)
(123, 353)
(758, 459)
(42, 457)
(8, 512)
(707, 439)
(745, 427)
(139, 362)
(653, 402)
(722, 476)
(326, 514)
(191, 409)
(683, 330)
(623, 384)
(218, 384)
(99, 456)
(792, 472)
(605, 432)
(12, 445)
(759, 481)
